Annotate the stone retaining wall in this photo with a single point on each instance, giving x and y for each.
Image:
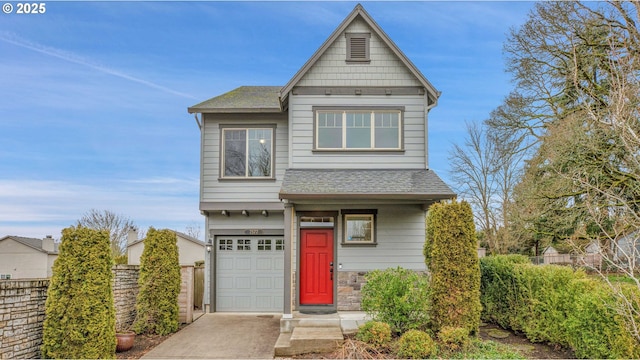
(125, 291)
(22, 311)
(21, 317)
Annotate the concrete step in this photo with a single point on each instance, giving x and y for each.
(304, 340)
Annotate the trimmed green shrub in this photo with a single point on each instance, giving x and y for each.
(499, 290)
(454, 338)
(80, 315)
(157, 302)
(375, 333)
(454, 266)
(398, 297)
(416, 344)
(558, 305)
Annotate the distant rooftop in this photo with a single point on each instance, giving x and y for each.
(242, 100)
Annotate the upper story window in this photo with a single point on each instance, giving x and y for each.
(358, 129)
(247, 152)
(358, 47)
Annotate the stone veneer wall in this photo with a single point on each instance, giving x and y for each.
(125, 292)
(22, 311)
(349, 286)
(21, 317)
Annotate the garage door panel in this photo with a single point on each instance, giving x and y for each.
(249, 274)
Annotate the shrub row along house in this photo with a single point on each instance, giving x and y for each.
(306, 186)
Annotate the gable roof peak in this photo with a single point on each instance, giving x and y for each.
(359, 11)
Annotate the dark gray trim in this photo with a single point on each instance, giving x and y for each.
(246, 232)
(373, 212)
(358, 90)
(239, 206)
(358, 108)
(366, 37)
(288, 225)
(333, 307)
(222, 127)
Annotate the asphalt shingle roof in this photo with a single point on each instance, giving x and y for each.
(32, 243)
(243, 99)
(373, 183)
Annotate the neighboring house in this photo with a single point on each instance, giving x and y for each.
(626, 250)
(25, 258)
(552, 256)
(190, 250)
(307, 186)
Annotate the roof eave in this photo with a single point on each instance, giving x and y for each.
(418, 197)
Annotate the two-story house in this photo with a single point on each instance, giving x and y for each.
(305, 187)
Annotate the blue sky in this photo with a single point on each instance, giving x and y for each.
(94, 95)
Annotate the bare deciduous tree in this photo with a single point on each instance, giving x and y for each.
(117, 225)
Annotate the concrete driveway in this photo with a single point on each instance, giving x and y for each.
(222, 336)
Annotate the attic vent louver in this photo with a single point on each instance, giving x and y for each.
(358, 47)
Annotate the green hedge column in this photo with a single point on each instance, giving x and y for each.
(157, 303)
(452, 258)
(80, 314)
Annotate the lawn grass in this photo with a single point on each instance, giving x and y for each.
(620, 278)
(485, 349)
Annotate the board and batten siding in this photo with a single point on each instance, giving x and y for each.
(302, 134)
(400, 237)
(249, 190)
(385, 68)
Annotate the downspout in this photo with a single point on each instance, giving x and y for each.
(428, 108)
(195, 115)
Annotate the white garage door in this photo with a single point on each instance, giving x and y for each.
(249, 271)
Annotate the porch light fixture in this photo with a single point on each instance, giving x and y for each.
(265, 213)
(245, 213)
(224, 213)
(209, 245)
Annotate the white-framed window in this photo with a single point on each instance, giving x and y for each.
(5, 276)
(359, 227)
(358, 130)
(247, 152)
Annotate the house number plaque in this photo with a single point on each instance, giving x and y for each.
(253, 232)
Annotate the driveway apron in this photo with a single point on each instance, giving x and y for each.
(222, 336)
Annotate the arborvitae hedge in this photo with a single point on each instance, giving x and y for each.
(80, 316)
(558, 305)
(452, 257)
(157, 302)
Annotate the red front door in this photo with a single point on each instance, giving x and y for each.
(316, 267)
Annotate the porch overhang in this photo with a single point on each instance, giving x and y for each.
(405, 186)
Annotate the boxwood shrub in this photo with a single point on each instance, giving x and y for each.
(398, 297)
(556, 304)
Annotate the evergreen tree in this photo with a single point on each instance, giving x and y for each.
(157, 302)
(454, 266)
(80, 316)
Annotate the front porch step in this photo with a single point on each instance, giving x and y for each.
(304, 340)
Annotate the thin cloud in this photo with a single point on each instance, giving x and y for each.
(70, 57)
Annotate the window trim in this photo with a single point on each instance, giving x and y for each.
(246, 127)
(346, 213)
(359, 109)
(367, 45)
